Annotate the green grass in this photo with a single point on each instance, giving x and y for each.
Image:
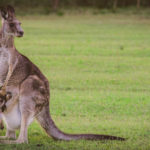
(99, 71)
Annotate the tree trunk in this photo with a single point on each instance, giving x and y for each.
(124, 3)
(138, 4)
(115, 4)
(55, 4)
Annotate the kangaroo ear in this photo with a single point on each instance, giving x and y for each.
(7, 12)
(4, 13)
(10, 10)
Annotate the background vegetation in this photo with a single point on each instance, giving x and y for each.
(51, 5)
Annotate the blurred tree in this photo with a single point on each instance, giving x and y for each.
(77, 3)
(123, 3)
(115, 5)
(55, 5)
(138, 4)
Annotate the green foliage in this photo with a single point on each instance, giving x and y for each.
(74, 3)
(98, 67)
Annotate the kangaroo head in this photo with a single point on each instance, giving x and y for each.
(10, 25)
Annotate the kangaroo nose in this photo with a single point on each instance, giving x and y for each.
(21, 33)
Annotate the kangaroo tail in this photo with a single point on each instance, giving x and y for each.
(51, 129)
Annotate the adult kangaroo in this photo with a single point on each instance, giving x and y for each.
(25, 90)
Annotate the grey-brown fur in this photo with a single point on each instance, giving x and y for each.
(29, 89)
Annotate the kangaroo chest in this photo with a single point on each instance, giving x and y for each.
(4, 63)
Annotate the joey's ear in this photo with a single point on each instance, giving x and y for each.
(4, 13)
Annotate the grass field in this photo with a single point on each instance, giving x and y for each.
(99, 71)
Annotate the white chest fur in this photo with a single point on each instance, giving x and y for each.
(4, 54)
(13, 118)
(4, 63)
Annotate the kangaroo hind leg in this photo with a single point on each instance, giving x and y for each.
(30, 103)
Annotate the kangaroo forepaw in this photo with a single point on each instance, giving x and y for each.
(2, 91)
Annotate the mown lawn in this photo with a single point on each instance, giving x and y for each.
(99, 71)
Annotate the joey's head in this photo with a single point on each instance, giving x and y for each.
(10, 25)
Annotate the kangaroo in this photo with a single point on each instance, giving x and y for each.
(29, 90)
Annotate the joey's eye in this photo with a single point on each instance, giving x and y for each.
(11, 24)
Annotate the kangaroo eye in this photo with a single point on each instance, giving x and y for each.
(11, 24)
